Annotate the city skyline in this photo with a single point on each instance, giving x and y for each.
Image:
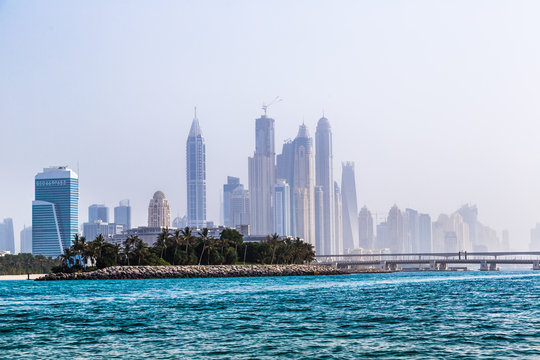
(433, 119)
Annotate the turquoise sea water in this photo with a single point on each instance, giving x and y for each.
(468, 315)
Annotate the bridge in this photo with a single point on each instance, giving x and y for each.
(432, 261)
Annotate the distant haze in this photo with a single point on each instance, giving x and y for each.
(437, 103)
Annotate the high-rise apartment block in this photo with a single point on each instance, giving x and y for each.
(324, 178)
(261, 170)
(98, 212)
(424, 234)
(196, 176)
(338, 228)
(235, 203)
(7, 238)
(304, 186)
(282, 215)
(228, 188)
(319, 220)
(26, 240)
(285, 171)
(535, 238)
(350, 206)
(55, 211)
(394, 230)
(122, 214)
(365, 229)
(159, 211)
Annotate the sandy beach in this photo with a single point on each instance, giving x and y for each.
(20, 277)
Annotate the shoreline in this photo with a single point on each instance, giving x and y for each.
(20, 277)
(195, 271)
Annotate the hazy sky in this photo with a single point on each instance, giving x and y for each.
(437, 102)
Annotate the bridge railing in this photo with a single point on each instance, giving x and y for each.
(450, 256)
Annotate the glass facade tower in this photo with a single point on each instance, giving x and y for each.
(196, 176)
(55, 211)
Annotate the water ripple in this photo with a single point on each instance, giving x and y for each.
(468, 315)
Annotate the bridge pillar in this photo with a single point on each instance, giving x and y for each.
(443, 266)
(493, 267)
(536, 265)
(484, 266)
(433, 265)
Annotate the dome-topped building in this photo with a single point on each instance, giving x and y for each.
(159, 211)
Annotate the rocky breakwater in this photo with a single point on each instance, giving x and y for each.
(194, 271)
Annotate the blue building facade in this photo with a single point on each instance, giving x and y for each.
(55, 211)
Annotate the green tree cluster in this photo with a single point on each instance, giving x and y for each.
(184, 247)
(26, 264)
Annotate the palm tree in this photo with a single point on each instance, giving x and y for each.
(204, 238)
(210, 246)
(274, 242)
(140, 249)
(81, 249)
(67, 256)
(187, 236)
(161, 242)
(128, 245)
(96, 248)
(116, 248)
(176, 240)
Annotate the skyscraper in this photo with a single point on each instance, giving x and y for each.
(534, 245)
(338, 227)
(285, 171)
(350, 206)
(26, 240)
(394, 230)
(282, 200)
(319, 220)
(424, 236)
(98, 212)
(122, 214)
(470, 216)
(324, 177)
(7, 238)
(55, 211)
(365, 229)
(228, 188)
(240, 214)
(196, 176)
(304, 186)
(261, 169)
(411, 223)
(159, 212)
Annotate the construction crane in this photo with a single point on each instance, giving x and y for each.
(276, 100)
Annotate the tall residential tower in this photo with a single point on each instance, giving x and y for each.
(324, 178)
(196, 176)
(350, 207)
(261, 170)
(304, 186)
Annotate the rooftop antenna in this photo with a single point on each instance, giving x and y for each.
(265, 107)
(195, 113)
